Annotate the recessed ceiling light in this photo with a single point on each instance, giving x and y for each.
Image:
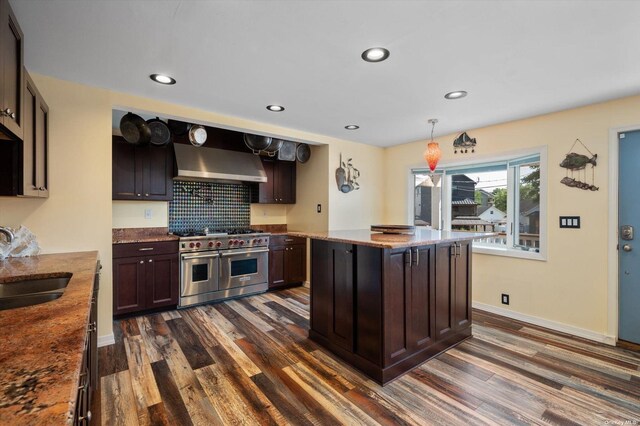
(375, 54)
(275, 108)
(162, 79)
(456, 95)
(351, 127)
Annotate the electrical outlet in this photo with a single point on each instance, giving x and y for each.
(319, 208)
(505, 299)
(148, 213)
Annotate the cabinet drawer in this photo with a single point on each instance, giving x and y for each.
(145, 249)
(285, 240)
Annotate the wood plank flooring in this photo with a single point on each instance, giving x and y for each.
(249, 361)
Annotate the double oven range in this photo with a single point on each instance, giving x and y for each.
(222, 264)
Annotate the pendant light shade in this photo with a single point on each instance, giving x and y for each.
(432, 154)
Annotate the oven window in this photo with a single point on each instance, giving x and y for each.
(200, 272)
(244, 267)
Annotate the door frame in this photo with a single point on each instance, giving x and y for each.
(613, 313)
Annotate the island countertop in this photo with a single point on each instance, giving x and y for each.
(422, 236)
(42, 345)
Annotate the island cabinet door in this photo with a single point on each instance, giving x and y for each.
(397, 291)
(422, 312)
(462, 290)
(408, 302)
(332, 295)
(444, 286)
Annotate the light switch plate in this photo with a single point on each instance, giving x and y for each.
(148, 213)
(570, 222)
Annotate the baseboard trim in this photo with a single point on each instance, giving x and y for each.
(306, 284)
(553, 325)
(106, 340)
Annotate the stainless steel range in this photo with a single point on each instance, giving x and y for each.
(222, 264)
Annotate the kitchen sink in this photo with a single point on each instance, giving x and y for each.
(32, 291)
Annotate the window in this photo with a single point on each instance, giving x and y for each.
(503, 196)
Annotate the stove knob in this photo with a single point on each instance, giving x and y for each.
(198, 245)
(191, 245)
(218, 243)
(230, 242)
(259, 240)
(241, 242)
(210, 243)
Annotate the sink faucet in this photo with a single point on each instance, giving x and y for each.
(7, 233)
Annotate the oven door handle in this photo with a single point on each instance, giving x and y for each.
(234, 253)
(200, 257)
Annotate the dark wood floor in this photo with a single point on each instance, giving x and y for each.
(249, 361)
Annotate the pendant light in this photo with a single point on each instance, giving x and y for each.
(432, 154)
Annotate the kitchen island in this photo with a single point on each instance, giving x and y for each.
(385, 303)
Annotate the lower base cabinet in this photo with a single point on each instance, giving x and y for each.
(145, 276)
(386, 311)
(287, 261)
(88, 382)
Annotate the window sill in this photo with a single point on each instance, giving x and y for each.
(498, 251)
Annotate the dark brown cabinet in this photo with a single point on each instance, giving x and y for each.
(145, 276)
(388, 310)
(453, 293)
(287, 261)
(332, 313)
(35, 144)
(280, 187)
(11, 71)
(142, 172)
(88, 382)
(409, 295)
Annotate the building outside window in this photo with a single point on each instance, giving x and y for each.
(507, 197)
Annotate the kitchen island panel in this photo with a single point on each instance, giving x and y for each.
(387, 310)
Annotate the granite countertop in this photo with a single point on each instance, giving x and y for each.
(365, 237)
(141, 235)
(42, 345)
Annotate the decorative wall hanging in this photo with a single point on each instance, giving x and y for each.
(577, 163)
(346, 176)
(463, 142)
(432, 154)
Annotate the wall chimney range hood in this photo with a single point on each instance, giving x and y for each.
(211, 164)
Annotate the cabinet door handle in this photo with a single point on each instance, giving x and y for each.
(139, 195)
(348, 251)
(150, 260)
(146, 249)
(288, 240)
(146, 195)
(417, 257)
(142, 261)
(410, 256)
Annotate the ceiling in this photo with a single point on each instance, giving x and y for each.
(515, 58)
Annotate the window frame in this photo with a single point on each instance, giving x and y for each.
(512, 206)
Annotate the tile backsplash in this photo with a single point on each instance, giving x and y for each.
(197, 205)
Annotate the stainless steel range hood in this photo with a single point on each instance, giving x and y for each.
(211, 164)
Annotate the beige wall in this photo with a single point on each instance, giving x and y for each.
(77, 215)
(311, 190)
(571, 286)
(267, 214)
(131, 214)
(358, 209)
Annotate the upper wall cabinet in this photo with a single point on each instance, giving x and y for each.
(11, 71)
(35, 180)
(142, 172)
(280, 187)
